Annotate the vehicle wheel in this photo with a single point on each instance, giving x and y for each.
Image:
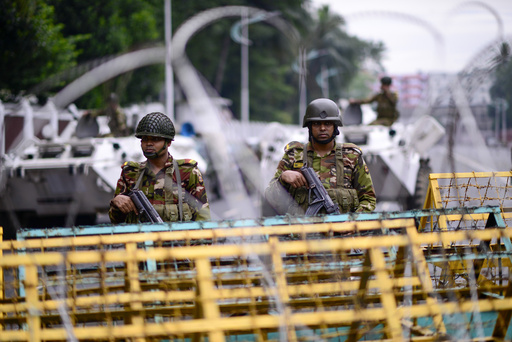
(420, 192)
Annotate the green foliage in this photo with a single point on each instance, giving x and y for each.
(502, 88)
(337, 52)
(361, 86)
(111, 28)
(32, 46)
(88, 31)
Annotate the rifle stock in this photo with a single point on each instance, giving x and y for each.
(144, 207)
(320, 196)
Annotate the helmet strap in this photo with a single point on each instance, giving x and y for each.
(154, 155)
(326, 141)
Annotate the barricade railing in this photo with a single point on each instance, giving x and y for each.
(363, 279)
(466, 190)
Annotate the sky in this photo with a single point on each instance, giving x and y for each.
(426, 36)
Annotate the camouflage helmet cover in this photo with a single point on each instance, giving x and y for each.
(322, 110)
(155, 124)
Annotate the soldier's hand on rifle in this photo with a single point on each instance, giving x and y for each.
(124, 203)
(294, 178)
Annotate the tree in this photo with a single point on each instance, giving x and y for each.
(97, 29)
(502, 87)
(336, 50)
(32, 46)
(111, 28)
(270, 59)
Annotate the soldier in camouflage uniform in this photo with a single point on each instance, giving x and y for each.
(161, 174)
(340, 167)
(386, 100)
(116, 117)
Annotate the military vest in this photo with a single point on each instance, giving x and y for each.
(165, 207)
(347, 199)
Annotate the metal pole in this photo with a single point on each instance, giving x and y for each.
(2, 129)
(54, 120)
(503, 107)
(325, 82)
(496, 120)
(244, 45)
(169, 81)
(28, 120)
(302, 83)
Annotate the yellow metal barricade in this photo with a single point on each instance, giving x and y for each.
(293, 283)
(467, 190)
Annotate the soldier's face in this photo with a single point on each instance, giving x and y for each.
(151, 145)
(322, 130)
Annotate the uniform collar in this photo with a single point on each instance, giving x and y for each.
(168, 163)
(333, 150)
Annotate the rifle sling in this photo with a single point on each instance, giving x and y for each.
(340, 169)
(308, 160)
(180, 189)
(178, 181)
(136, 187)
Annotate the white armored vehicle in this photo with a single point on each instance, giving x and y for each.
(396, 156)
(60, 169)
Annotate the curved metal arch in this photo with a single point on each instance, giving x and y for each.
(438, 37)
(483, 58)
(156, 55)
(201, 20)
(107, 71)
(207, 115)
(496, 15)
(434, 32)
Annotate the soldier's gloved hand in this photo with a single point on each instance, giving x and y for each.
(294, 178)
(124, 203)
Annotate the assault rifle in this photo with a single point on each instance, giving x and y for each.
(145, 209)
(320, 196)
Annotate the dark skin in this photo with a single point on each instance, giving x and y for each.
(148, 145)
(320, 131)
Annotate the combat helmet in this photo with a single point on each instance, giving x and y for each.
(155, 124)
(386, 80)
(322, 110)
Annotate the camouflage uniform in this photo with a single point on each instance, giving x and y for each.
(386, 107)
(354, 194)
(163, 193)
(116, 120)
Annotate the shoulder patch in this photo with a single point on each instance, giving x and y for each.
(351, 148)
(293, 145)
(186, 162)
(130, 165)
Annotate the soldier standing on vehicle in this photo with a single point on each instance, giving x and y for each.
(386, 100)
(116, 117)
(175, 188)
(340, 167)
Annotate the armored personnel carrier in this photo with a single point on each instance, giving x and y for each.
(396, 156)
(60, 168)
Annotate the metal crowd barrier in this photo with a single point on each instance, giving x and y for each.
(441, 273)
(294, 279)
(470, 189)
